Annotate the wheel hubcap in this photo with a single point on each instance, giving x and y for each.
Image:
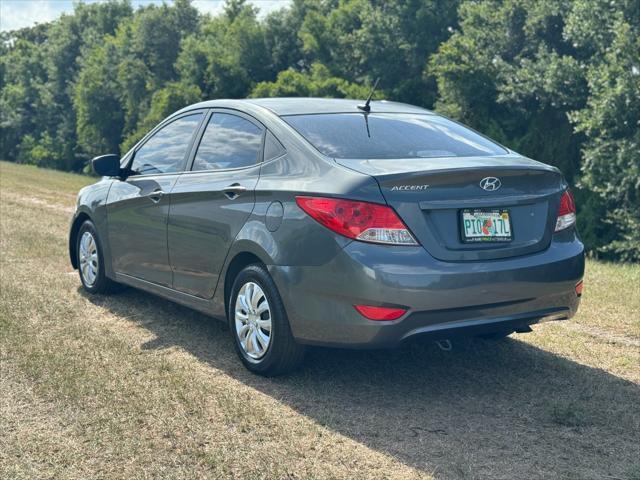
(88, 254)
(253, 320)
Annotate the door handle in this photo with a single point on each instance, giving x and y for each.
(234, 190)
(156, 195)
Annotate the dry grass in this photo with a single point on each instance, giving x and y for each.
(131, 386)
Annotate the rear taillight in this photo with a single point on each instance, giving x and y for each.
(566, 212)
(380, 313)
(368, 222)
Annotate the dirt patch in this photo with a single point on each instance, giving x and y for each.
(609, 337)
(37, 201)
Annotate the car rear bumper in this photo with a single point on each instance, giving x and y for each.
(444, 299)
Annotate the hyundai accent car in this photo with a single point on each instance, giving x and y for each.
(306, 221)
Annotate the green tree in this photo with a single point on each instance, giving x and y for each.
(283, 44)
(126, 71)
(69, 38)
(316, 83)
(164, 102)
(611, 123)
(227, 56)
(556, 80)
(361, 40)
(155, 34)
(100, 114)
(509, 73)
(24, 77)
(40, 123)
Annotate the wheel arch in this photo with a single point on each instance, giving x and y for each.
(239, 261)
(73, 237)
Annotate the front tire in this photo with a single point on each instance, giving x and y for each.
(259, 324)
(91, 261)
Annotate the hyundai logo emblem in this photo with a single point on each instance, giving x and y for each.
(490, 184)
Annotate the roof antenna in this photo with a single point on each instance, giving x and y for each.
(366, 107)
(366, 122)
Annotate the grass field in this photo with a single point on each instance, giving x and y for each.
(132, 386)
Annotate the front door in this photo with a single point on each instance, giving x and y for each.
(212, 202)
(138, 207)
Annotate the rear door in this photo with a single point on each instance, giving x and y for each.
(211, 202)
(138, 207)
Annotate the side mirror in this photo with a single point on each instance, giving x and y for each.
(106, 165)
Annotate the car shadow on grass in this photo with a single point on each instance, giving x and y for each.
(501, 409)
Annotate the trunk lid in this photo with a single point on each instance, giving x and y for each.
(430, 193)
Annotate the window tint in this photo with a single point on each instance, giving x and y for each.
(380, 136)
(228, 142)
(164, 152)
(272, 147)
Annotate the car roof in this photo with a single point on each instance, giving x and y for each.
(311, 105)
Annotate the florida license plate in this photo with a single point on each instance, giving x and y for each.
(490, 225)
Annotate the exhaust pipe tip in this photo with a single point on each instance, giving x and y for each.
(525, 329)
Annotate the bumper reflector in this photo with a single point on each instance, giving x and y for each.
(579, 287)
(380, 313)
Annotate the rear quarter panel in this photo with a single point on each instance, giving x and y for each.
(295, 238)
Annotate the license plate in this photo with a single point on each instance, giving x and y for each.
(492, 225)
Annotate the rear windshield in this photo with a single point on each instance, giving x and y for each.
(390, 135)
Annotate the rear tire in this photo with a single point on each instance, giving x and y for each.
(259, 324)
(91, 262)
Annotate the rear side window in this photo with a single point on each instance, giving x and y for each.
(272, 147)
(390, 135)
(229, 141)
(165, 151)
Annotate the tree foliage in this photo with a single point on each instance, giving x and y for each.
(318, 82)
(557, 80)
(610, 122)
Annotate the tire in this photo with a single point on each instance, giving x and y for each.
(250, 322)
(496, 335)
(91, 272)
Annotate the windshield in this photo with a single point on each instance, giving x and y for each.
(390, 135)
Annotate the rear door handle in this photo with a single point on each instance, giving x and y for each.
(156, 195)
(234, 190)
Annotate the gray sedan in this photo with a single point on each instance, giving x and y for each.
(308, 221)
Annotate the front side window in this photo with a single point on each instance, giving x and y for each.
(391, 135)
(165, 151)
(229, 141)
